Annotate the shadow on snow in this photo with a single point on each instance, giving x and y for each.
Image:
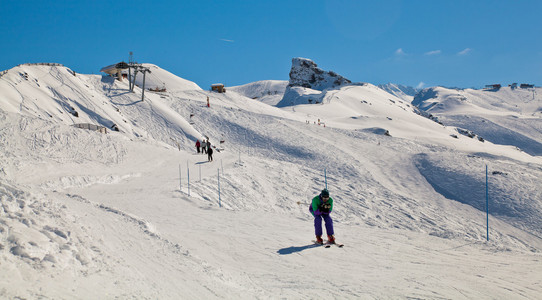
(295, 249)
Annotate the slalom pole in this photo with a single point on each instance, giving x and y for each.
(487, 207)
(188, 175)
(219, 200)
(325, 177)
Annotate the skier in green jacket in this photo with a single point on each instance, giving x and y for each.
(320, 208)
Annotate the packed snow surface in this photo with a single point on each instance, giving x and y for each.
(137, 213)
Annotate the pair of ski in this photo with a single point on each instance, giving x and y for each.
(328, 245)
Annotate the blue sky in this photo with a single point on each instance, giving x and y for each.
(417, 43)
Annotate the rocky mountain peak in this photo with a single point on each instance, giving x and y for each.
(306, 73)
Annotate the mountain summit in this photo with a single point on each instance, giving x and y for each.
(306, 73)
(308, 83)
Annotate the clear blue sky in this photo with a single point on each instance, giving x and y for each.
(437, 42)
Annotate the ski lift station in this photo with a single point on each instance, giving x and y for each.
(116, 70)
(218, 87)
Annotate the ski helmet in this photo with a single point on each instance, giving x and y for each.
(324, 193)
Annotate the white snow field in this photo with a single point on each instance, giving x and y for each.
(267, 91)
(138, 214)
(508, 115)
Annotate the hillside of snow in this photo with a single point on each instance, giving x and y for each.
(137, 213)
(404, 92)
(267, 91)
(507, 116)
(159, 78)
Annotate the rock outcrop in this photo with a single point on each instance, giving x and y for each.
(306, 73)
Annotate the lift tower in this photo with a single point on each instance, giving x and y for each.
(137, 68)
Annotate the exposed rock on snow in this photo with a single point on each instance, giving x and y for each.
(305, 73)
(308, 83)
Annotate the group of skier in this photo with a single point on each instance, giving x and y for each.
(206, 148)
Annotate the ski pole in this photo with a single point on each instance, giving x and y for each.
(219, 200)
(325, 177)
(487, 208)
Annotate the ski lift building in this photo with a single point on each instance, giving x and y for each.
(115, 70)
(493, 86)
(218, 87)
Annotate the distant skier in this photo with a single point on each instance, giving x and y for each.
(210, 154)
(320, 208)
(203, 147)
(198, 145)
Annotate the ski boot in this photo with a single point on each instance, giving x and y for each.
(319, 240)
(331, 239)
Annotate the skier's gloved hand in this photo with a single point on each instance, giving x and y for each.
(324, 208)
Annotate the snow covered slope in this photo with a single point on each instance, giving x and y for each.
(57, 94)
(160, 78)
(267, 91)
(138, 214)
(505, 116)
(404, 92)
